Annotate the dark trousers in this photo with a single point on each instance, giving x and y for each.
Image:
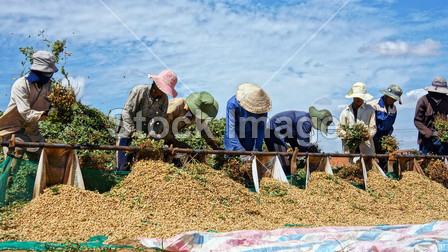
(284, 161)
(434, 146)
(123, 158)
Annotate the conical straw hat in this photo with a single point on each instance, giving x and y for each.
(253, 98)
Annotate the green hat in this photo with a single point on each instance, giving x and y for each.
(320, 119)
(394, 92)
(202, 105)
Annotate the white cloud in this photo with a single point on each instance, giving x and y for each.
(401, 48)
(409, 99)
(79, 85)
(323, 101)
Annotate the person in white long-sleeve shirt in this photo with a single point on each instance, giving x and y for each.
(29, 105)
(358, 112)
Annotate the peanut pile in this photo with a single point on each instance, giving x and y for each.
(159, 200)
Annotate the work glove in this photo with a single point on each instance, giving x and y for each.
(246, 158)
(51, 111)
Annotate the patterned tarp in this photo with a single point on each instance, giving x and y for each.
(424, 237)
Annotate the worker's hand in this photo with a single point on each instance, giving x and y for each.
(436, 134)
(246, 158)
(366, 137)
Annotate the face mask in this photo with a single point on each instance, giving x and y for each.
(437, 96)
(39, 78)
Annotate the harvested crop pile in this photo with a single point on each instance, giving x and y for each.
(238, 171)
(159, 200)
(67, 212)
(437, 171)
(351, 173)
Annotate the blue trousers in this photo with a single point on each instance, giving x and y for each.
(123, 158)
(434, 146)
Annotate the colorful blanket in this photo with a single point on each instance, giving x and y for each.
(425, 237)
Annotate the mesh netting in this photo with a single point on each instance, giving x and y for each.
(16, 180)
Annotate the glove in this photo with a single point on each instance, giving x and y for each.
(246, 158)
(51, 111)
(436, 141)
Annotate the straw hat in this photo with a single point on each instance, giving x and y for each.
(394, 92)
(166, 81)
(202, 105)
(43, 61)
(320, 119)
(438, 85)
(359, 90)
(253, 98)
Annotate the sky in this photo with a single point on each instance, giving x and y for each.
(303, 53)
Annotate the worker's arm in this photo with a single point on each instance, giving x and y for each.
(231, 140)
(129, 111)
(420, 115)
(21, 95)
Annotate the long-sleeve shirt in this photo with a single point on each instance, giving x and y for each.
(139, 109)
(385, 118)
(177, 119)
(244, 130)
(290, 125)
(425, 111)
(26, 108)
(365, 115)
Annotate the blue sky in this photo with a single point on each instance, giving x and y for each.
(303, 53)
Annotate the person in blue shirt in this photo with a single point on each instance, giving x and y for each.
(385, 114)
(246, 116)
(293, 128)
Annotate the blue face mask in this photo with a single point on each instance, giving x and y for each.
(39, 78)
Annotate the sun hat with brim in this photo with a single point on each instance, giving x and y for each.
(438, 85)
(320, 119)
(43, 61)
(166, 81)
(359, 90)
(202, 105)
(253, 98)
(394, 92)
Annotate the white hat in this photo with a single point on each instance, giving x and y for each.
(359, 90)
(43, 61)
(253, 98)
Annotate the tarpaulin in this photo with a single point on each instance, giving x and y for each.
(423, 237)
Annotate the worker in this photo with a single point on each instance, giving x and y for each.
(293, 128)
(198, 108)
(246, 116)
(428, 106)
(385, 114)
(358, 112)
(28, 105)
(144, 106)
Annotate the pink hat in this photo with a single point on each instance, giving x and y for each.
(166, 81)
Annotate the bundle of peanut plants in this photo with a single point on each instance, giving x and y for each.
(389, 144)
(441, 125)
(354, 135)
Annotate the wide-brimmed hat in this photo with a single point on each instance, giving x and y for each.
(202, 105)
(253, 98)
(359, 90)
(438, 85)
(320, 119)
(394, 92)
(43, 61)
(166, 81)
